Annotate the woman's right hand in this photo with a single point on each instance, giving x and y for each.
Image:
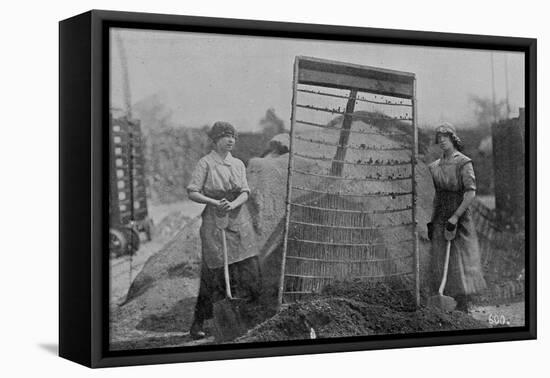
(221, 204)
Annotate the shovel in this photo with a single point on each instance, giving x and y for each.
(441, 301)
(228, 313)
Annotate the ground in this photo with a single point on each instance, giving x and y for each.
(511, 314)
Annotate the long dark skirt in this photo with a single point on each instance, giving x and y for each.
(245, 280)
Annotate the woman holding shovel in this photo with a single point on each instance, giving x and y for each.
(455, 189)
(219, 181)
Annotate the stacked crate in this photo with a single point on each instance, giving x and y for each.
(127, 194)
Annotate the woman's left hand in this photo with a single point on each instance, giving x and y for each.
(453, 219)
(228, 206)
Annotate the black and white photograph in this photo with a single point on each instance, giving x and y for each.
(203, 189)
(271, 189)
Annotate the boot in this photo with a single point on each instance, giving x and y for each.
(463, 303)
(196, 331)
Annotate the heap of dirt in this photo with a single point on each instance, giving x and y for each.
(391, 295)
(356, 309)
(178, 259)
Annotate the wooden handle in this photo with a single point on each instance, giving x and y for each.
(226, 266)
(222, 221)
(445, 268)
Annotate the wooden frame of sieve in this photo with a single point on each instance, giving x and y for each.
(356, 79)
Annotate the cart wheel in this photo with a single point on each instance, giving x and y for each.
(149, 229)
(132, 236)
(117, 242)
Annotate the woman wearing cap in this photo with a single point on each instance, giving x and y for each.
(455, 189)
(219, 181)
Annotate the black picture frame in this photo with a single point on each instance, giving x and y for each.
(83, 229)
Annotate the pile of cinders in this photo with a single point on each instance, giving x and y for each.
(356, 308)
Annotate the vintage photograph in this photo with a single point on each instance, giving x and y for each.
(268, 189)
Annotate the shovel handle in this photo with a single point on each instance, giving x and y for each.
(445, 267)
(226, 266)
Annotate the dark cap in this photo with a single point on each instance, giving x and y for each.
(448, 129)
(221, 129)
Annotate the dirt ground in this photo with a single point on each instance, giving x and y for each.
(342, 310)
(513, 314)
(509, 314)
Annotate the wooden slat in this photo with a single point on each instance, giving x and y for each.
(337, 168)
(374, 164)
(401, 148)
(366, 178)
(350, 113)
(381, 227)
(364, 132)
(371, 212)
(362, 245)
(317, 293)
(414, 152)
(365, 261)
(358, 276)
(288, 185)
(359, 99)
(315, 71)
(364, 84)
(385, 194)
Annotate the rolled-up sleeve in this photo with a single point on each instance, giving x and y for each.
(468, 177)
(244, 181)
(198, 177)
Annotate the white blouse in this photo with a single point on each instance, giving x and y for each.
(214, 174)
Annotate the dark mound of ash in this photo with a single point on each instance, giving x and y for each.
(356, 309)
(392, 295)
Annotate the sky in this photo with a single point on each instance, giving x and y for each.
(202, 78)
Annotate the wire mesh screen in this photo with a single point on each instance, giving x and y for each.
(351, 189)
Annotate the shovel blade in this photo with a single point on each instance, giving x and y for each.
(442, 302)
(229, 322)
